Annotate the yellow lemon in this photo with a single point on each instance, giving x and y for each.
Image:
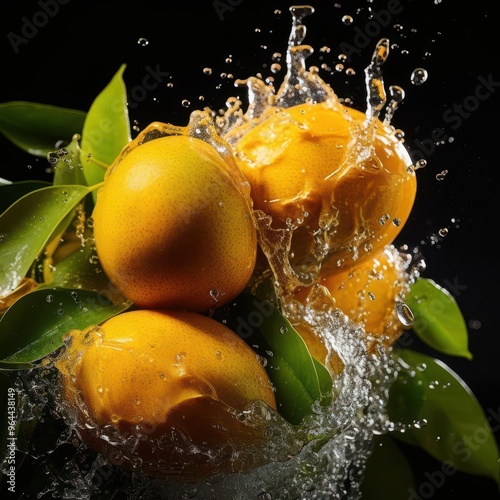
(349, 188)
(172, 228)
(168, 393)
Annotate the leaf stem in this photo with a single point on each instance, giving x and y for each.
(97, 162)
(96, 186)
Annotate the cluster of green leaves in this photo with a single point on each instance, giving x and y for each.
(33, 214)
(75, 295)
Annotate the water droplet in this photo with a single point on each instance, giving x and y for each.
(218, 355)
(420, 164)
(52, 157)
(49, 298)
(347, 20)
(275, 68)
(404, 314)
(262, 360)
(185, 103)
(419, 424)
(180, 356)
(100, 389)
(443, 232)
(283, 330)
(143, 42)
(383, 219)
(419, 76)
(264, 496)
(214, 293)
(441, 175)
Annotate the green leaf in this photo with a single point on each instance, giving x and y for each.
(68, 167)
(438, 319)
(456, 430)
(82, 270)
(34, 326)
(10, 193)
(26, 227)
(106, 130)
(299, 380)
(37, 128)
(388, 474)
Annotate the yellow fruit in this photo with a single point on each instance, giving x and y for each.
(368, 294)
(313, 162)
(172, 229)
(166, 393)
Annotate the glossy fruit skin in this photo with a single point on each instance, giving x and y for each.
(302, 160)
(163, 390)
(172, 229)
(368, 294)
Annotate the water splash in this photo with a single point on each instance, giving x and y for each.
(326, 456)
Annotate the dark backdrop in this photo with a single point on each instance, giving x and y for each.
(63, 52)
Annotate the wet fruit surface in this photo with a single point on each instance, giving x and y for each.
(168, 393)
(346, 186)
(171, 227)
(369, 294)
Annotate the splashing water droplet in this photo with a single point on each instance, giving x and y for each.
(441, 175)
(347, 20)
(376, 97)
(143, 42)
(397, 96)
(419, 76)
(420, 164)
(404, 314)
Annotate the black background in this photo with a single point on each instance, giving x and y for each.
(74, 47)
